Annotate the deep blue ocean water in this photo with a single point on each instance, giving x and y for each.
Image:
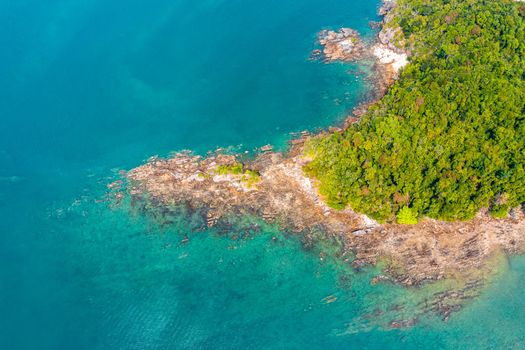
(89, 87)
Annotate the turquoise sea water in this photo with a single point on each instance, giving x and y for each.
(89, 87)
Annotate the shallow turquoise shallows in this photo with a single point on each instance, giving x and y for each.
(90, 87)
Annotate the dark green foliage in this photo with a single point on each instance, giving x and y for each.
(449, 137)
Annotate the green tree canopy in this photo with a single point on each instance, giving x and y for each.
(449, 136)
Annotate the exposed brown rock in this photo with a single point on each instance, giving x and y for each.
(343, 45)
(431, 250)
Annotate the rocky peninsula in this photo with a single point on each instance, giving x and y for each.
(273, 187)
(219, 188)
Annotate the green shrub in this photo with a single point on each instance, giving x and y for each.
(234, 169)
(407, 216)
(248, 176)
(499, 211)
(251, 178)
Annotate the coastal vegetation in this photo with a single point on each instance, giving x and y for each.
(449, 136)
(248, 176)
(233, 169)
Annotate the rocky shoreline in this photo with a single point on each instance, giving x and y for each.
(219, 188)
(283, 194)
(413, 256)
(341, 45)
(388, 58)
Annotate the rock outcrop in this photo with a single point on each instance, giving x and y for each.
(343, 45)
(282, 194)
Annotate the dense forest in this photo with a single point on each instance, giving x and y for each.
(449, 137)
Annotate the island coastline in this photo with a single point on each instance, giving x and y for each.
(274, 187)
